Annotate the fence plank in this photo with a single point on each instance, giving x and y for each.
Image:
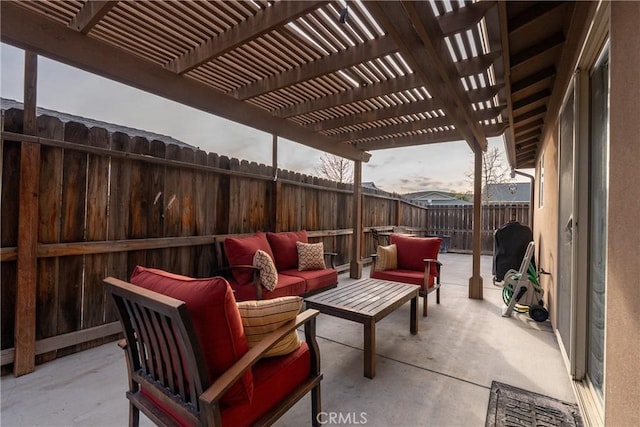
(156, 202)
(94, 301)
(70, 278)
(138, 201)
(50, 217)
(119, 204)
(9, 225)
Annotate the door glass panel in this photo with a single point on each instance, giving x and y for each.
(565, 225)
(599, 93)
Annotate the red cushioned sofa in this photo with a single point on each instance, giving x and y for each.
(417, 264)
(234, 257)
(189, 361)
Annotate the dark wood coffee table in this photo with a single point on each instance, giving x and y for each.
(367, 301)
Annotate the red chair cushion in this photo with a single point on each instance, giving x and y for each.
(286, 286)
(216, 320)
(240, 251)
(412, 277)
(284, 248)
(413, 250)
(274, 378)
(315, 279)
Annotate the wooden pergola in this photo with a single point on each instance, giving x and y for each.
(347, 78)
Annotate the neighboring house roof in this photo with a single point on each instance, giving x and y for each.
(7, 104)
(436, 198)
(508, 192)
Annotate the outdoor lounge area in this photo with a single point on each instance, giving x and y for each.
(440, 377)
(555, 82)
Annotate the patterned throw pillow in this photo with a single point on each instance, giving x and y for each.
(310, 256)
(260, 318)
(268, 273)
(387, 258)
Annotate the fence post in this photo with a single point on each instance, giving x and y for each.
(27, 265)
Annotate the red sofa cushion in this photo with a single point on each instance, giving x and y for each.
(286, 286)
(240, 251)
(216, 321)
(315, 279)
(274, 378)
(412, 277)
(413, 250)
(283, 246)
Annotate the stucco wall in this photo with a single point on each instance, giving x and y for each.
(622, 334)
(546, 222)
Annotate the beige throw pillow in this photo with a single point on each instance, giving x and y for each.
(268, 272)
(310, 256)
(260, 318)
(387, 258)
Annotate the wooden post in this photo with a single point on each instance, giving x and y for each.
(399, 213)
(276, 189)
(356, 245)
(475, 281)
(27, 265)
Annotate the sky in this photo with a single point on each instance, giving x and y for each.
(70, 90)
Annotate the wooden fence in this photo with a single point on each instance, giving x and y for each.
(107, 202)
(456, 223)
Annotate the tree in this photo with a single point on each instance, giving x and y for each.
(493, 172)
(335, 168)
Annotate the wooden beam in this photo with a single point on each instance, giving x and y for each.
(530, 115)
(527, 127)
(425, 24)
(329, 64)
(523, 57)
(496, 129)
(502, 20)
(394, 18)
(410, 141)
(27, 266)
(579, 25)
(276, 15)
(533, 16)
(90, 14)
(463, 18)
(484, 93)
(410, 126)
(418, 107)
(28, 30)
(385, 87)
(489, 113)
(532, 79)
(477, 64)
(536, 97)
(356, 240)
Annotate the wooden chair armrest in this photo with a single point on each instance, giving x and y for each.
(427, 266)
(211, 395)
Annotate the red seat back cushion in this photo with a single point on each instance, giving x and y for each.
(413, 250)
(284, 248)
(216, 321)
(240, 251)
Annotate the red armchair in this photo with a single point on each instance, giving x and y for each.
(415, 262)
(189, 361)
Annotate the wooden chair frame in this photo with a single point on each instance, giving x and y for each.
(424, 289)
(164, 357)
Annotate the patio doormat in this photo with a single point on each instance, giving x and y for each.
(512, 406)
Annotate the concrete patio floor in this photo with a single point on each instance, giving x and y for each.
(440, 377)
